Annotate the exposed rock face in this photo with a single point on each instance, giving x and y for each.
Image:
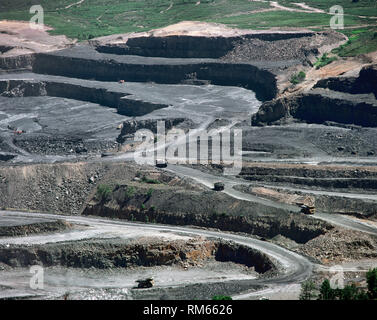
(131, 126)
(22, 230)
(125, 103)
(86, 63)
(319, 106)
(364, 83)
(190, 46)
(104, 254)
(133, 107)
(17, 63)
(207, 209)
(228, 251)
(110, 254)
(346, 100)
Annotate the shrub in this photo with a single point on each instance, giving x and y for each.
(150, 181)
(130, 192)
(104, 191)
(150, 192)
(324, 61)
(299, 77)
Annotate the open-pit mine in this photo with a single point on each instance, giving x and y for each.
(76, 202)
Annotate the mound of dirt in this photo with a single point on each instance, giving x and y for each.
(17, 38)
(340, 245)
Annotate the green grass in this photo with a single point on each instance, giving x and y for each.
(95, 18)
(150, 181)
(324, 61)
(360, 41)
(104, 191)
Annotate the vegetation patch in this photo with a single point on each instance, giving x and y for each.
(324, 61)
(104, 192)
(297, 78)
(360, 41)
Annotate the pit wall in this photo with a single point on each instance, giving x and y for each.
(17, 64)
(262, 82)
(332, 179)
(189, 46)
(125, 106)
(106, 254)
(266, 227)
(166, 206)
(319, 106)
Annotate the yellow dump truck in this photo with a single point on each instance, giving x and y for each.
(307, 209)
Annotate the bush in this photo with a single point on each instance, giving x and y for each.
(324, 61)
(130, 192)
(299, 77)
(349, 292)
(150, 181)
(104, 191)
(150, 192)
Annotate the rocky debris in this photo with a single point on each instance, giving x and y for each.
(114, 253)
(309, 171)
(340, 245)
(129, 127)
(64, 188)
(332, 204)
(138, 252)
(62, 145)
(61, 188)
(33, 228)
(302, 49)
(319, 106)
(319, 176)
(192, 39)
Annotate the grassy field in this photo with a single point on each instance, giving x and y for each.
(93, 18)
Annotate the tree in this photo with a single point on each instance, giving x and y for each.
(350, 292)
(326, 292)
(372, 283)
(307, 290)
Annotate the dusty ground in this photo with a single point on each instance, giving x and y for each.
(189, 28)
(18, 38)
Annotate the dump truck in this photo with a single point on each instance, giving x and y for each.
(161, 164)
(307, 209)
(145, 283)
(219, 186)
